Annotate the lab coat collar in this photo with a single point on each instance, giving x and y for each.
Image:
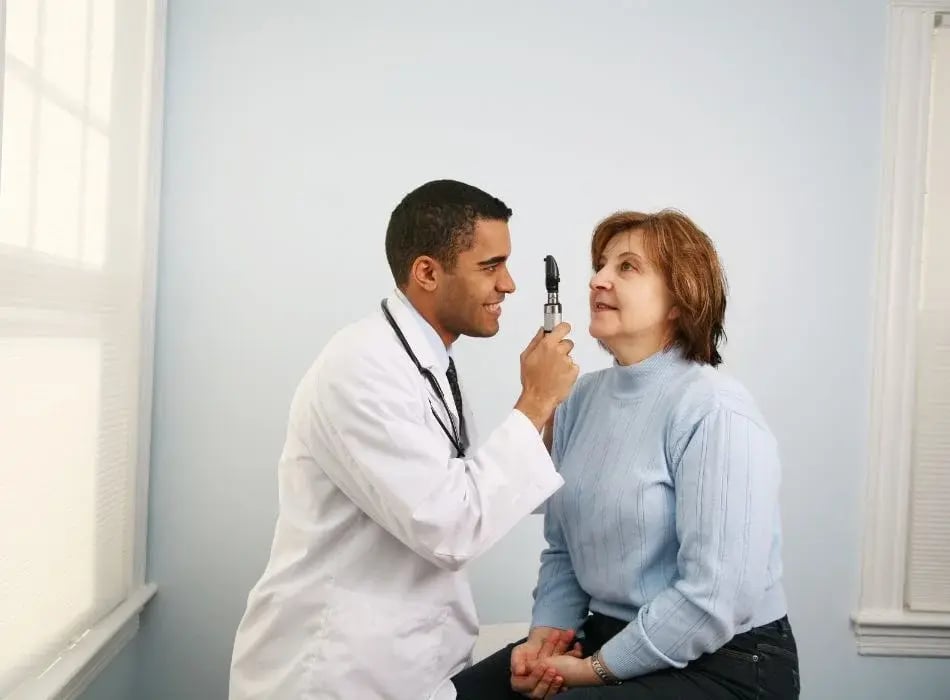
(421, 336)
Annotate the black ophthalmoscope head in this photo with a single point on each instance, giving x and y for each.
(552, 276)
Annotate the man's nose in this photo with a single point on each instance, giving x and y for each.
(506, 283)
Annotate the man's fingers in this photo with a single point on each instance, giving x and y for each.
(577, 652)
(565, 346)
(538, 337)
(558, 333)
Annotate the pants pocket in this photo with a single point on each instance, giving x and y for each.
(778, 675)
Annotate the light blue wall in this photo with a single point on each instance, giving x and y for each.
(293, 127)
(118, 680)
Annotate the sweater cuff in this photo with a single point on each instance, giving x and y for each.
(631, 653)
(554, 618)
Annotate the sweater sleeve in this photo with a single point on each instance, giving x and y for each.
(559, 600)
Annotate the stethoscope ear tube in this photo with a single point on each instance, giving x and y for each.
(433, 382)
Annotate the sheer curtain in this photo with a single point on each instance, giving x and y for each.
(74, 268)
(928, 576)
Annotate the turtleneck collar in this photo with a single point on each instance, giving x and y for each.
(630, 380)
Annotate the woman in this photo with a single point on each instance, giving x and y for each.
(664, 542)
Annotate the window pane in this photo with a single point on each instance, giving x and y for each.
(58, 181)
(50, 409)
(95, 198)
(101, 49)
(65, 46)
(22, 16)
(15, 167)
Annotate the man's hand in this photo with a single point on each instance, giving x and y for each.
(547, 374)
(529, 676)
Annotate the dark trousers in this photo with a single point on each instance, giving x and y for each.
(760, 663)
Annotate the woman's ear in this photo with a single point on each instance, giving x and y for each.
(673, 314)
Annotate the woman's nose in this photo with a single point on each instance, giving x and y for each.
(599, 280)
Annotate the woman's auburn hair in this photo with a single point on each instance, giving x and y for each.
(687, 259)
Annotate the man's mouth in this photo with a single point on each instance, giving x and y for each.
(494, 308)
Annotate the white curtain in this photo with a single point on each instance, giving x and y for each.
(928, 577)
(73, 259)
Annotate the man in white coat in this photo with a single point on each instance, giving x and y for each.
(384, 494)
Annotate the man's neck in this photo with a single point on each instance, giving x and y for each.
(422, 303)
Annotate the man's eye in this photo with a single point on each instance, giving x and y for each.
(491, 268)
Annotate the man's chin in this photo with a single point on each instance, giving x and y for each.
(486, 331)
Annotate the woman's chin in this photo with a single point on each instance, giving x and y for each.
(599, 331)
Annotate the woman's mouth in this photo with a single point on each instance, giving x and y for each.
(599, 307)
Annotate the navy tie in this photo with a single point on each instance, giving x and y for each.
(453, 378)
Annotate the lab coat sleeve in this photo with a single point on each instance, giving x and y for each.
(391, 463)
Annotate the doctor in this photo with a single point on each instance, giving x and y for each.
(384, 492)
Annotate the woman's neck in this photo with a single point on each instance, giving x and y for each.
(634, 350)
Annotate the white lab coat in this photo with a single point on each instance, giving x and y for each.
(364, 596)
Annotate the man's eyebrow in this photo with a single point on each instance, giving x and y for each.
(498, 259)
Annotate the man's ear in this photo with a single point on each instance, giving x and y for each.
(425, 272)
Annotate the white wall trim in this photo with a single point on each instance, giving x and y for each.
(935, 6)
(889, 633)
(73, 671)
(881, 623)
(154, 127)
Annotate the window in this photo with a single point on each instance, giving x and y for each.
(78, 195)
(905, 582)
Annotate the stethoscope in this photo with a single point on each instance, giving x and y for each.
(433, 382)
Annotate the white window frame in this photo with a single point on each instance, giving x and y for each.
(72, 672)
(882, 623)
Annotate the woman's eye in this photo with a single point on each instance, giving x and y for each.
(626, 266)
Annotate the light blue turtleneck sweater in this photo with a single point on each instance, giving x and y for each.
(669, 515)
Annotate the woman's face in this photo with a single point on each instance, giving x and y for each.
(631, 309)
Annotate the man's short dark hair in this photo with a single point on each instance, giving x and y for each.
(437, 219)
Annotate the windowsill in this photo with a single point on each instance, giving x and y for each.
(902, 633)
(72, 673)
